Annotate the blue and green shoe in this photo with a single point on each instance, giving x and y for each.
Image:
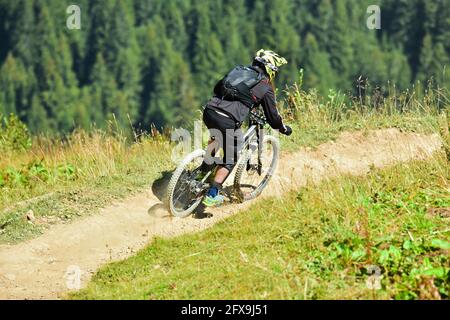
(213, 201)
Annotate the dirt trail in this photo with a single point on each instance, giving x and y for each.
(38, 269)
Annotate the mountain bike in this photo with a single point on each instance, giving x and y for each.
(257, 162)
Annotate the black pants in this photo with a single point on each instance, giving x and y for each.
(230, 135)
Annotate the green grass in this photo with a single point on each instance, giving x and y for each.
(317, 119)
(60, 180)
(103, 169)
(316, 243)
(312, 133)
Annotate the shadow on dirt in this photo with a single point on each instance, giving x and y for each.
(159, 186)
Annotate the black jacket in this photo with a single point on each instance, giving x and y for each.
(263, 95)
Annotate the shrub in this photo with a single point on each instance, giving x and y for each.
(14, 135)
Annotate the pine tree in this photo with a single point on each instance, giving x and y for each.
(318, 72)
(426, 59)
(406, 24)
(236, 51)
(17, 86)
(5, 11)
(433, 62)
(151, 41)
(440, 30)
(57, 82)
(441, 65)
(22, 38)
(276, 32)
(399, 71)
(321, 24)
(104, 94)
(340, 46)
(99, 13)
(122, 57)
(77, 42)
(442, 25)
(173, 18)
(175, 101)
(38, 118)
(209, 63)
(144, 11)
(82, 113)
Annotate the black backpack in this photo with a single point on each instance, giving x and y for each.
(236, 85)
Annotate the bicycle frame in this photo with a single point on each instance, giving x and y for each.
(252, 140)
(256, 123)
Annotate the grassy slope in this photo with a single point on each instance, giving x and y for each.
(315, 243)
(61, 181)
(106, 168)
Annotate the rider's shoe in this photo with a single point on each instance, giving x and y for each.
(210, 201)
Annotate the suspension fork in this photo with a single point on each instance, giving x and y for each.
(260, 139)
(259, 134)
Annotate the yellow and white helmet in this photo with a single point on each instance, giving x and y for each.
(271, 60)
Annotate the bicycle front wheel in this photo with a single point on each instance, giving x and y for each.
(252, 176)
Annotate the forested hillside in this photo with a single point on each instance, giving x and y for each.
(156, 61)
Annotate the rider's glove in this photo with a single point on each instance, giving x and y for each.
(286, 130)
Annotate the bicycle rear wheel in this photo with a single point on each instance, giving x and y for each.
(183, 193)
(251, 178)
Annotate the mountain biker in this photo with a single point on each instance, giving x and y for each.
(222, 113)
